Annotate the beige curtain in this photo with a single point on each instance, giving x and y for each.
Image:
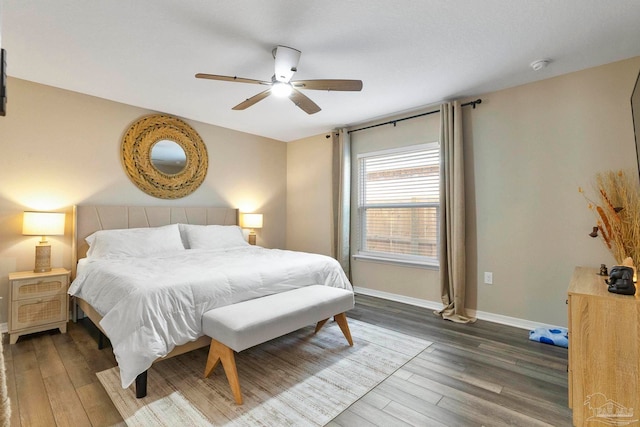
(452, 219)
(342, 198)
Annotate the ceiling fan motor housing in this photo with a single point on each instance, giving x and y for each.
(286, 63)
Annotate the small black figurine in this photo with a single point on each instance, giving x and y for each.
(621, 280)
(603, 270)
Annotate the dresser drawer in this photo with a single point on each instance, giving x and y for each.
(39, 287)
(38, 311)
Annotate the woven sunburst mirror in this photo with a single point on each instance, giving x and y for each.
(137, 146)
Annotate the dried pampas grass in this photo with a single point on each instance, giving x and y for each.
(617, 212)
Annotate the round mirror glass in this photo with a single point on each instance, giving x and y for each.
(168, 157)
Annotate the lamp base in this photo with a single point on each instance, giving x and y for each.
(43, 259)
(252, 238)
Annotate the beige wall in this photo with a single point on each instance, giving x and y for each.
(528, 149)
(309, 200)
(60, 148)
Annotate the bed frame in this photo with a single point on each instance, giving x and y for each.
(88, 219)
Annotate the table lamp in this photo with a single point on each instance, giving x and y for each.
(252, 221)
(43, 224)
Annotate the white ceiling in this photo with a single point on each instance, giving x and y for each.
(408, 53)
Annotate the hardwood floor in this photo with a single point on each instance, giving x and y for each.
(479, 374)
(472, 375)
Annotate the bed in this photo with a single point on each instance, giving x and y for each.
(147, 293)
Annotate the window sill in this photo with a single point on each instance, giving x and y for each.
(402, 262)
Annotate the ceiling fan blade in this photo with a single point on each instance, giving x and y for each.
(254, 99)
(301, 100)
(230, 79)
(342, 85)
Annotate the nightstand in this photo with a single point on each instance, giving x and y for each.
(38, 302)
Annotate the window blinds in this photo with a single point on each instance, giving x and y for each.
(399, 202)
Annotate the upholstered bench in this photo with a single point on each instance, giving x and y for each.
(243, 325)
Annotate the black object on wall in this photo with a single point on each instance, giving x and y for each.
(3, 82)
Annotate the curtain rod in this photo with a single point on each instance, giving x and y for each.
(472, 103)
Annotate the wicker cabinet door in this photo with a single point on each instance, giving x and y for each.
(38, 311)
(47, 286)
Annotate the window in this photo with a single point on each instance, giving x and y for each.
(399, 203)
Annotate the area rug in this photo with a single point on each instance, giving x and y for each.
(5, 404)
(299, 379)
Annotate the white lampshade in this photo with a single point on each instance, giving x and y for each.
(252, 220)
(43, 224)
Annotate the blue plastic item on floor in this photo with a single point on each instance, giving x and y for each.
(553, 336)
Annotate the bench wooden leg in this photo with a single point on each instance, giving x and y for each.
(341, 319)
(344, 327)
(319, 325)
(220, 353)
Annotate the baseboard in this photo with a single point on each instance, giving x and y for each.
(433, 305)
(509, 321)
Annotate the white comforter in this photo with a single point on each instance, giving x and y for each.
(150, 305)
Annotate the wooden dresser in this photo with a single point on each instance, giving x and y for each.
(604, 361)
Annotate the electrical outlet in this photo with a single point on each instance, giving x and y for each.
(488, 278)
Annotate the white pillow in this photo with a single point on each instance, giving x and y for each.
(134, 242)
(213, 236)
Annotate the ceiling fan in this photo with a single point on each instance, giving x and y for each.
(286, 64)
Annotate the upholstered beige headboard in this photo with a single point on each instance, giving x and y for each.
(88, 219)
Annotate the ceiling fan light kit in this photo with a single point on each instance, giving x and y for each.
(281, 89)
(286, 64)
